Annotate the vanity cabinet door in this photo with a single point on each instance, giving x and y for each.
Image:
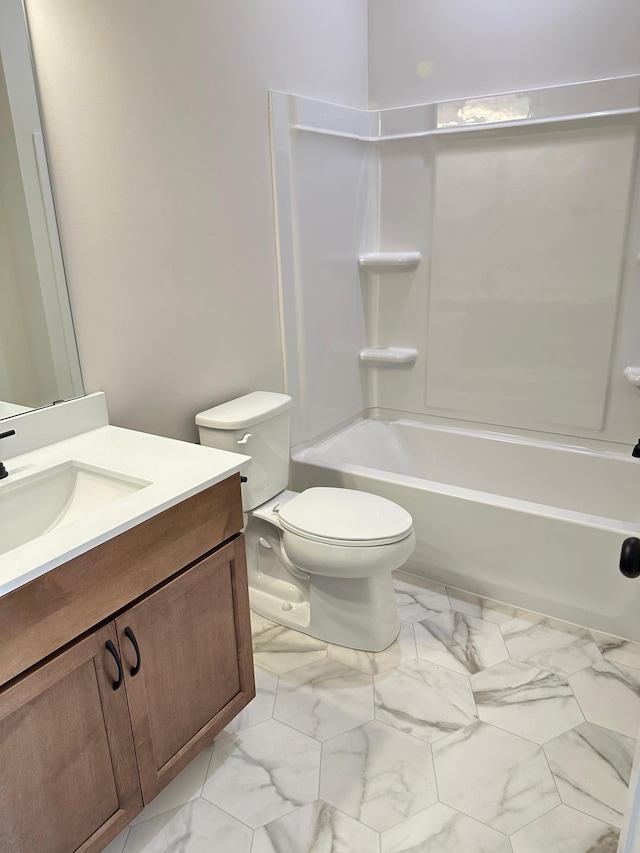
(192, 671)
(69, 777)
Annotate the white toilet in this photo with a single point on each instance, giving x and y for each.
(319, 561)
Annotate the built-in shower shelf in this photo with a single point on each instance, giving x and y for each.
(381, 262)
(388, 356)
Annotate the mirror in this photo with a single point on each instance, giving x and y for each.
(39, 362)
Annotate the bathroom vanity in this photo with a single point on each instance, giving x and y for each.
(122, 657)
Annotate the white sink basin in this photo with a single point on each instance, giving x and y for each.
(56, 496)
(63, 499)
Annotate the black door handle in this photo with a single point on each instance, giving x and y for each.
(131, 636)
(630, 557)
(112, 651)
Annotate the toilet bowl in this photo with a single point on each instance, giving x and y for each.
(319, 561)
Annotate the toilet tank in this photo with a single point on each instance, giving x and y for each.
(258, 426)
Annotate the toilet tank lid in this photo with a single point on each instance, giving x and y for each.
(245, 411)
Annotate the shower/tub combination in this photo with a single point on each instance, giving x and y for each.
(459, 315)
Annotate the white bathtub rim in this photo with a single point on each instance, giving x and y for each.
(611, 525)
(536, 438)
(330, 436)
(509, 438)
(557, 439)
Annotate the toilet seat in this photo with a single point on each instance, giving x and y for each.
(345, 517)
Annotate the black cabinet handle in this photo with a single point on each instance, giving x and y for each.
(112, 651)
(131, 636)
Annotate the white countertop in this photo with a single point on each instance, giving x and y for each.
(175, 470)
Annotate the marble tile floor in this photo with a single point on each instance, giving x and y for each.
(483, 729)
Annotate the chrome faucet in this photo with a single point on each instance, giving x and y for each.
(3, 471)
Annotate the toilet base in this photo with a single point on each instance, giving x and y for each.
(359, 613)
(356, 612)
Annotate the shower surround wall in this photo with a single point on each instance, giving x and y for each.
(325, 204)
(514, 311)
(522, 308)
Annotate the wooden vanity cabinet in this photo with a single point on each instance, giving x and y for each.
(78, 758)
(195, 663)
(69, 775)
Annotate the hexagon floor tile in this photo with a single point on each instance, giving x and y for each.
(186, 786)
(424, 700)
(279, 649)
(324, 699)
(378, 775)
(197, 827)
(526, 701)
(617, 650)
(609, 695)
(316, 828)
(263, 773)
(592, 768)
(372, 663)
(394, 724)
(440, 829)
(418, 599)
(564, 830)
(460, 642)
(490, 775)
(549, 644)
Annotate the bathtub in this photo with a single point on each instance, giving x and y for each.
(530, 523)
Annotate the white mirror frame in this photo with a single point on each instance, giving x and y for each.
(15, 55)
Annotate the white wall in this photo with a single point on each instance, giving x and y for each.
(156, 120)
(426, 50)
